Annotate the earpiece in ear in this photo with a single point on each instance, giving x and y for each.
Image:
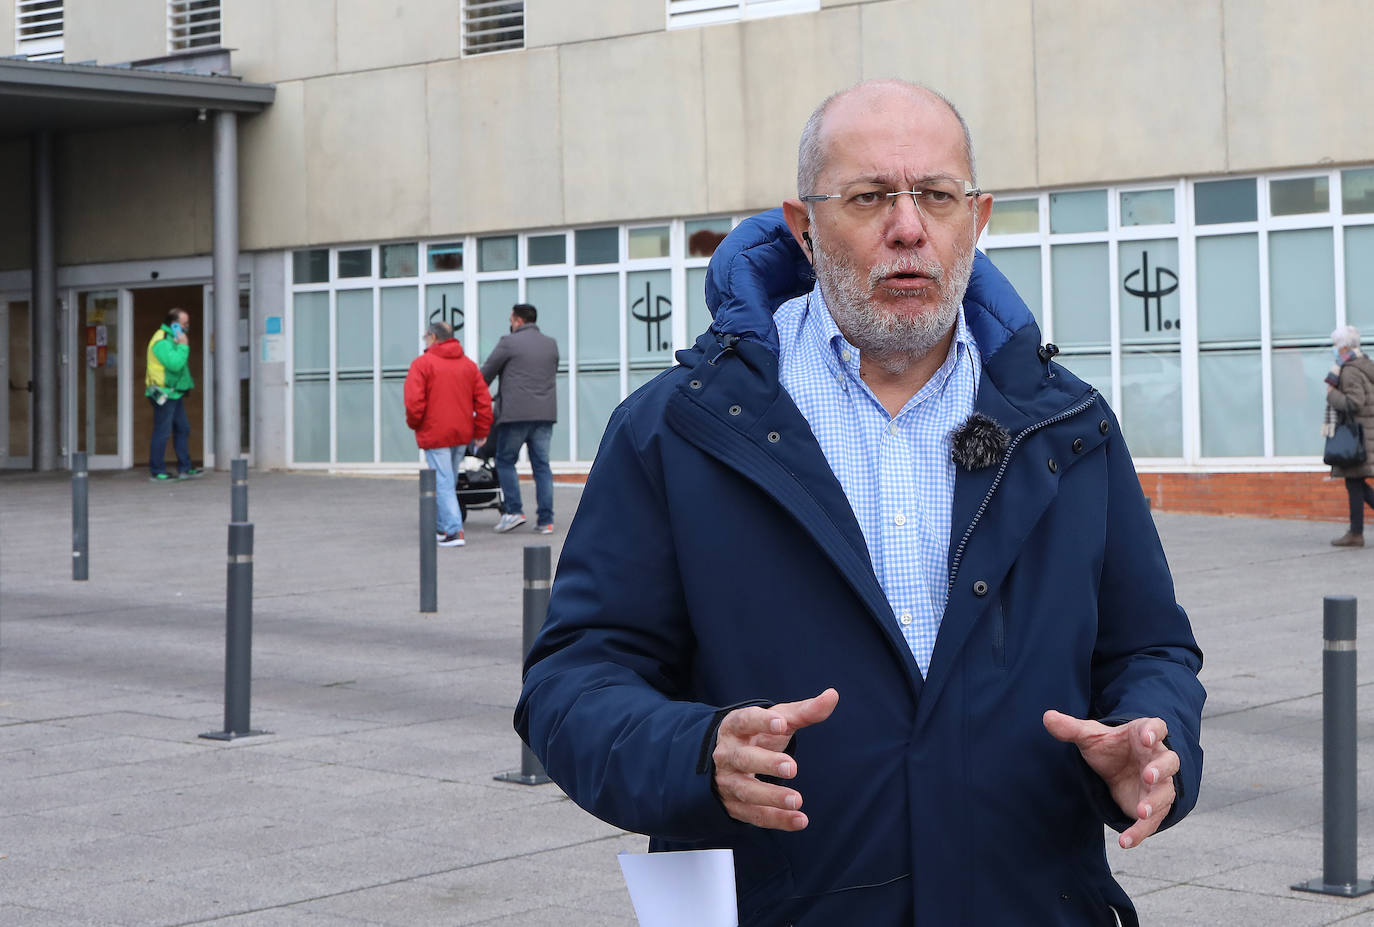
(806, 237)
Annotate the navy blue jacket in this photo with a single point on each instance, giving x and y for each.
(715, 561)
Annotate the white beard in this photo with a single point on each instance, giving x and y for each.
(893, 340)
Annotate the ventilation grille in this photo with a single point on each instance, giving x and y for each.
(192, 24)
(38, 29)
(493, 25)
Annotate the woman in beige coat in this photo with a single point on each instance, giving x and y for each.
(1350, 389)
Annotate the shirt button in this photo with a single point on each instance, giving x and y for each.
(892, 428)
(900, 519)
(845, 356)
(906, 618)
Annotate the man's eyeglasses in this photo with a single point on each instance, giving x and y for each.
(939, 199)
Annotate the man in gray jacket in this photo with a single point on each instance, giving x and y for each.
(526, 360)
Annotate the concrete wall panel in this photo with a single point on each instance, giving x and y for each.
(273, 171)
(997, 102)
(1299, 85)
(16, 216)
(488, 170)
(114, 31)
(727, 135)
(633, 139)
(397, 33)
(275, 41)
(7, 34)
(136, 192)
(365, 142)
(558, 22)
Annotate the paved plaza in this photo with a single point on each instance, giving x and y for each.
(372, 800)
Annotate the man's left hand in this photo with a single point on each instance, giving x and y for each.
(1132, 759)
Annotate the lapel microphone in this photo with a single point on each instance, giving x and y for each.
(979, 442)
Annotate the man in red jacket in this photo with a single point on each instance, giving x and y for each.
(448, 407)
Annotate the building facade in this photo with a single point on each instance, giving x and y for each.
(1184, 196)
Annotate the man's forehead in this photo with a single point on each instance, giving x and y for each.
(879, 130)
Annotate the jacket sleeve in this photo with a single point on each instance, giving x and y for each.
(603, 705)
(1146, 661)
(496, 360)
(481, 406)
(171, 355)
(1352, 395)
(415, 393)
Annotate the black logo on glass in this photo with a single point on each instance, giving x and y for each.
(653, 319)
(453, 315)
(1165, 282)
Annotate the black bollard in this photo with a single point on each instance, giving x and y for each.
(538, 582)
(1338, 754)
(238, 639)
(429, 543)
(81, 529)
(238, 490)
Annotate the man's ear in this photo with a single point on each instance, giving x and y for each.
(799, 222)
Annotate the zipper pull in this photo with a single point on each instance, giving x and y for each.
(727, 344)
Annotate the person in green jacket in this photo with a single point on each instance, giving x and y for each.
(166, 383)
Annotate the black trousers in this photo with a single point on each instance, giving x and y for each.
(1360, 493)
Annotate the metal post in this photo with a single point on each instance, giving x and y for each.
(226, 278)
(538, 583)
(238, 644)
(81, 558)
(43, 305)
(238, 490)
(1338, 754)
(429, 544)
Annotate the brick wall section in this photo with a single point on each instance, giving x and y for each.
(1308, 496)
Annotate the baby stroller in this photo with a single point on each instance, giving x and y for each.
(477, 486)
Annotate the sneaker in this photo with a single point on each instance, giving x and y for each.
(507, 522)
(159, 478)
(190, 474)
(544, 529)
(1349, 539)
(452, 540)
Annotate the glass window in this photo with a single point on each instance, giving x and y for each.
(1081, 294)
(698, 316)
(597, 396)
(444, 303)
(401, 342)
(597, 246)
(705, 235)
(1152, 401)
(546, 249)
(1302, 288)
(1299, 195)
(1299, 399)
(353, 393)
(560, 444)
(310, 419)
(598, 321)
(1080, 211)
(1228, 294)
(1357, 191)
(446, 256)
(648, 295)
(310, 266)
(1359, 276)
(400, 260)
(310, 333)
(1232, 403)
(1014, 217)
(1218, 201)
(355, 263)
(494, 301)
(1147, 207)
(1149, 298)
(1093, 368)
(1022, 267)
(497, 253)
(310, 386)
(549, 296)
(649, 243)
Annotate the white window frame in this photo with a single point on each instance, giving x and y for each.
(47, 45)
(686, 14)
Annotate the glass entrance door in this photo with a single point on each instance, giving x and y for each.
(103, 373)
(16, 411)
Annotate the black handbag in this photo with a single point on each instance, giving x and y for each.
(1345, 447)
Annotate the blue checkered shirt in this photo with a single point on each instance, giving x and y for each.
(896, 470)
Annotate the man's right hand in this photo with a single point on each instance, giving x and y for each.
(749, 744)
(182, 339)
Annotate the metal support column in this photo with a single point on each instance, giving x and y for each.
(538, 584)
(43, 306)
(226, 281)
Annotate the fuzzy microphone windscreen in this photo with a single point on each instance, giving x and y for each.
(979, 442)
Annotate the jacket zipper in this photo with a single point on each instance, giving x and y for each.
(997, 480)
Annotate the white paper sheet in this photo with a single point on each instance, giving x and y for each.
(692, 888)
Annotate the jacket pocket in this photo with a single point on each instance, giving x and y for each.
(997, 621)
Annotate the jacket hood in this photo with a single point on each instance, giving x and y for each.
(451, 349)
(759, 266)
